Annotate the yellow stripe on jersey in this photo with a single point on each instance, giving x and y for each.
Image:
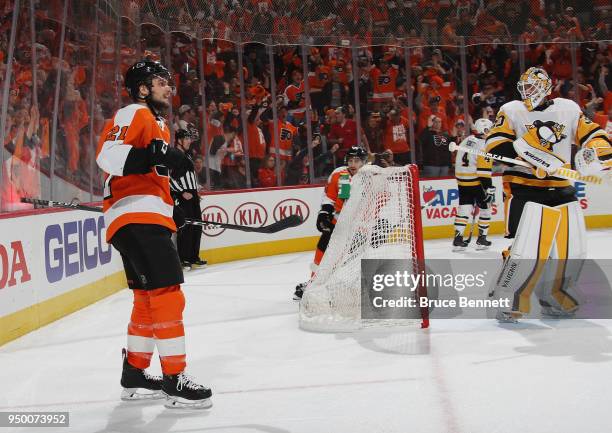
(521, 179)
(502, 130)
(468, 183)
(590, 134)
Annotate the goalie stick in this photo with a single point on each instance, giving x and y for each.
(285, 223)
(564, 173)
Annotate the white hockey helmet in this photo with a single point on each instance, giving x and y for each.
(534, 85)
(483, 126)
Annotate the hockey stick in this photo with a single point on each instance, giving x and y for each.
(285, 223)
(74, 204)
(564, 173)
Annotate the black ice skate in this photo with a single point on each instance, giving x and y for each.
(183, 393)
(138, 384)
(186, 265)
(458, 243)
(198, 263)
(299, 291)
(482, 243)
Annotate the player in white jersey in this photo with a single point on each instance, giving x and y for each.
(471, 192)
(542, 212)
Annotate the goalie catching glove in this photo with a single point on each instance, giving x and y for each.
(588, 160)
(325, 218)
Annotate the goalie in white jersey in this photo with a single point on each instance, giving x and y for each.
(542, 212)
(471, 192)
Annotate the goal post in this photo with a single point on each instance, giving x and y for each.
(380, 220)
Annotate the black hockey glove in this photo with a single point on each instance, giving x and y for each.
(160, 153)
(179, 217)
(324, 219)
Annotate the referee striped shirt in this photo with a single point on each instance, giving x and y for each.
(183, 180)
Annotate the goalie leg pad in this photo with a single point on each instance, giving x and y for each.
(556, 291)
(524, 266)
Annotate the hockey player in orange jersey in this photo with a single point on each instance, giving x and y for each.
(140, 217)
(337, 191)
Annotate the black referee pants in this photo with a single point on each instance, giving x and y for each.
(188, 238)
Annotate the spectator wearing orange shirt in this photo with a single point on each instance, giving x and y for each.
(287, 135)
(433, 107)
(384, 82)
(257, 142)
(396, 137)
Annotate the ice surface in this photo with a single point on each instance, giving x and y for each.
(267, 376)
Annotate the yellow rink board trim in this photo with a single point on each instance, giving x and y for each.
(21, 322)
(262, 249)
(27, 320)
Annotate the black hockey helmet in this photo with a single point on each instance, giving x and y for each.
(355, 151)
(143, 72)
(182, 133)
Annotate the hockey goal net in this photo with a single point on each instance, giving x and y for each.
(381, 220)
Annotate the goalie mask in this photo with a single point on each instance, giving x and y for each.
(482, 126)
(534, 86)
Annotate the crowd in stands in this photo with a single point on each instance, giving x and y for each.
(397, 117)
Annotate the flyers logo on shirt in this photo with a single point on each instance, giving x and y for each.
(285, 134)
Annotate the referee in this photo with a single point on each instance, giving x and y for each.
(184, 188)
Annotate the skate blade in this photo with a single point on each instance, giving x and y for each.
(482, 247)
(181, 403)
(139, 394)
(506, 317)
(459, 249)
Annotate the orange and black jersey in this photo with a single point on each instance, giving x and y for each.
(134, 192)
(553, 127)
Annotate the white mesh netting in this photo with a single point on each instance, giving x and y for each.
(379, 221)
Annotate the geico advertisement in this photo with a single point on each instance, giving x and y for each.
(258, 209)
(42, 256)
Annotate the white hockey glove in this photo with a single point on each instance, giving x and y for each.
(489, 195)
(588, 163)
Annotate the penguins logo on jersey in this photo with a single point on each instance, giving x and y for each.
(548, 133)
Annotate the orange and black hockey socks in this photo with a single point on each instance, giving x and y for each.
(167, 305)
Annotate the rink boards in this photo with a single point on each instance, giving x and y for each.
(53, 263)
